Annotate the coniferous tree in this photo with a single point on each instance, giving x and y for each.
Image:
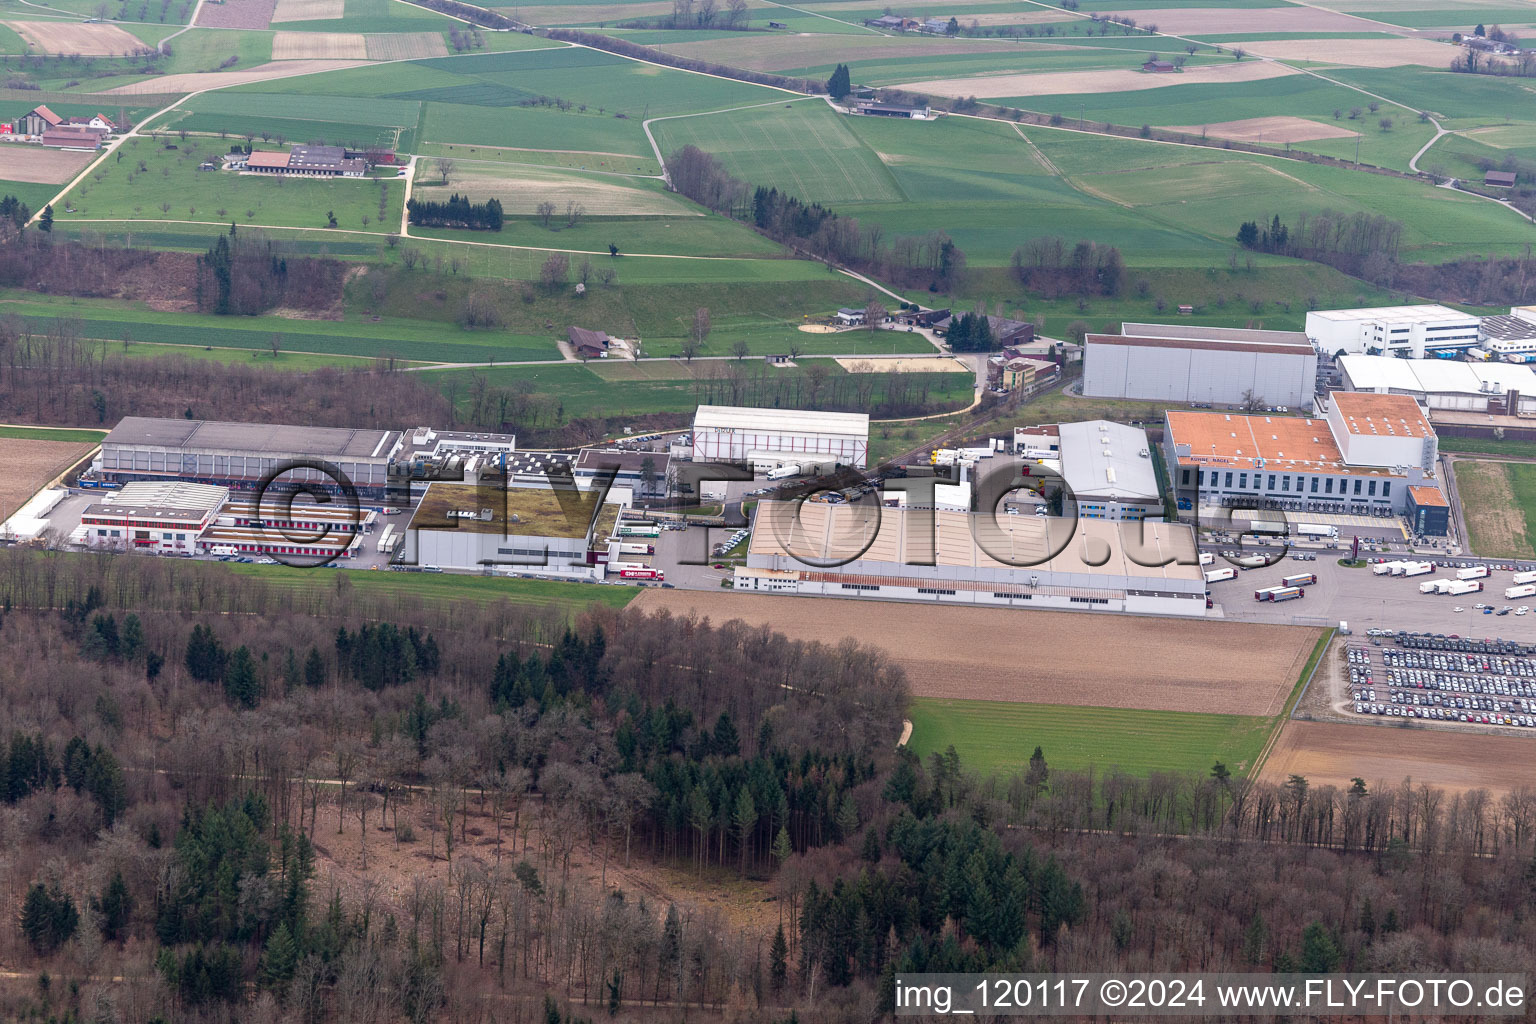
(840, 84)
(114, 908)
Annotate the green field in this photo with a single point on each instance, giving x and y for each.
(804, 149)
(1498, 502)
(52, 434)
(338, 120)
(450, 587)
(171, 188)
(996, 737)
(1488, 446)
(376, 16)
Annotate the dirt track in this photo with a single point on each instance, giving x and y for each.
(1081, 659)
(1330, 753)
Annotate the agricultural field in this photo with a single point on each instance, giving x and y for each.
(1332, 753)
(346, 120)
(433, 587)
(998, 738)
(64, 37)
(1099, 661)
(161, 182)
(31, 462)
(1498, 502)
(42, 166)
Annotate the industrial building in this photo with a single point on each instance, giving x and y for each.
(166, 517)
(1191, 365)
(946, 556)
(629, 467)
(1412, 331)
(242, 455)
(522, 528)
(767, 439)
(1428, 512)
(1445, 385)
(1108, 467)
(1511, 338)
(1361, 459)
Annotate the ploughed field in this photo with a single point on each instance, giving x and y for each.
(30, 464)
(1002, 654)
(1332, 753)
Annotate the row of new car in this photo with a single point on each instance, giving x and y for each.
(1427, 679)
(1496, 664)
(1452, 642)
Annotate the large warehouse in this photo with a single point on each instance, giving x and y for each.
(969, 558)
(241, 455)
(528, 528)
(1444, 384)
(1108, 466)
(1362, 459)
(1392, 330)
(766, 439)
(1201, 365)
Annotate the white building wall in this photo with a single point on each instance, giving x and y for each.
(722, 444)
(1202, 375)
(464, 549)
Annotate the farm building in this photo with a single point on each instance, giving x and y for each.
(875, 108)
(629, 468)
(1445, 385)
(67, 136)
(588, 344)
(766, 439)
(1392, 330)
(529, 527)
(37, 121)
(1361, 459)
(951, 556)
(163, 517)
(1108, 467)
(1500, 179)
(1200, 365)
(935, 26)
(850, 317)
(921, 317)
(241, 455)
(893, 22)
(1161, 67)
(308, 161)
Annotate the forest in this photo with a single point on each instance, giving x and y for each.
(262, 802)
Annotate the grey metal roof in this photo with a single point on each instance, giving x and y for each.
(1101, 458)
(1233, 335)
(253, 438)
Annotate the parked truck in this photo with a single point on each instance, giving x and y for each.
(784, 472)
(1265, 526)
(1217, 575)
(1266, 594)
(1316, 530)
(1434, 586)
(1464, 587)
(1206, 558)
(1523, 590)
(1476, 572)
(1417, 568)
(1301, 579)
(1523, 577)
(1287, 594)
(637, 549)
(1385, 568)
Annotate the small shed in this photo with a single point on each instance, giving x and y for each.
(1159, 66)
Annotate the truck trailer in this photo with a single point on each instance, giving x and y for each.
(1460, 587)
(1523, 577)
(1523, 590)
(1217, 575)
(1417, 568)
(1301, 579)
(1476, 572)
(1206, 558)
(1316, 530)
(1265, 526)
(1266, 593)
(1385, 568)
(637, 549)
(1287, 594)
(1434, 586)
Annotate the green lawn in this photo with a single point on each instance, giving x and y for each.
(170, 188)
(444, 586)
(997, 737)
(1488, 446)
(52, 434)
(376, 16)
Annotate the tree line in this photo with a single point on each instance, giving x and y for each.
(1046, 265)
(1361, 244)
(456, 212)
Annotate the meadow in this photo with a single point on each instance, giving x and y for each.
(146, 180)
(1498, 501)
(338, 120)
(376, 16)
(998, 738)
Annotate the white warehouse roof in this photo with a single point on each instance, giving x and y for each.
(1099, 457)
(1436, 376)
(1390, 314)
(796, 421)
